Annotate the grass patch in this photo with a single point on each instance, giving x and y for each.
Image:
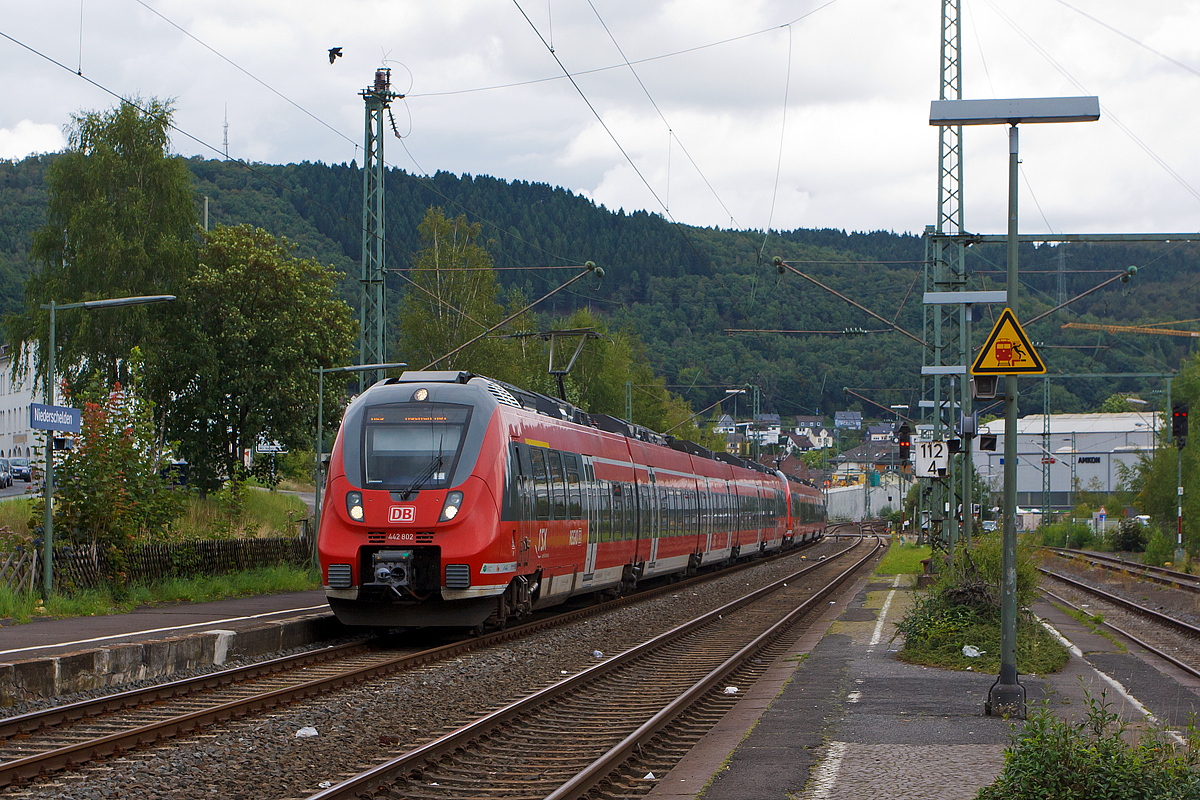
(903, 560)
(1092, 622)
(259, 513)
(98, 602)
(15, 513)
(1095, 758)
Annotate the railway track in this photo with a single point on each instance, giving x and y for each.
(1163, 635)
(603, 731)
(67, 737)
(1159, 575)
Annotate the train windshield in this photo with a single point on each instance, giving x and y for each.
(412, 446)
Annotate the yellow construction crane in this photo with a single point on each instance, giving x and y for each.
(1132, 329)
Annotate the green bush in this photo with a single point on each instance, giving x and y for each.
(1129, 537)
(1068, 534)
(1050, 758)
(1160, 547)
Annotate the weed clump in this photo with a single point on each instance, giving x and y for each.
(956, 624)
(1095, 758)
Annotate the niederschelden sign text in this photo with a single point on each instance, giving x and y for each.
(55, 418)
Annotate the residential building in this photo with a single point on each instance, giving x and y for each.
(820, 435)
(879, 433)
(765, 429)
(17, 438)
(847, 420)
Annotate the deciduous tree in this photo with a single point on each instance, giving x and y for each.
(120, 222)
(256, 322)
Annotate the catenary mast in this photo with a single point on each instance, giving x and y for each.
(370, 342)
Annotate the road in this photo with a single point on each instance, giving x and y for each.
(18, 488)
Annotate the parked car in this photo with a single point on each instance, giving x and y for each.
(21, 468)
(6, 478)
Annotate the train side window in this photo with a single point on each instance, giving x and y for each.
(620, 501)
(630, 510)
(558, 485)
(574, 502)
(604, 534)
(541, 486)
(645, 501)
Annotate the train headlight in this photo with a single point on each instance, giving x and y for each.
(354, 506)
(450, 509)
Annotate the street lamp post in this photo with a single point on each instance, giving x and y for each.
(321, 373)
(1007, 696)
(48, 488)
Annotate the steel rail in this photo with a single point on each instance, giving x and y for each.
(1189, 669)
(20, 770)
(59, 715)
(597, 771)
(1162, 619)
(446, 744)
(1160, 575)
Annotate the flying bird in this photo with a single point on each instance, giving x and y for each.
(334, 54)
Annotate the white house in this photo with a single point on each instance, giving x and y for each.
(17, 438)
(821, 436)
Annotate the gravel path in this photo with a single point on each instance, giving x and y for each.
(263, 759)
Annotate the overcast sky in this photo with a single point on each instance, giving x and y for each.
(735, 113)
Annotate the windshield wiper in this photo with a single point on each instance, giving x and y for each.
(425, 475)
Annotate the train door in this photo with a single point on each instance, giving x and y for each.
(760, 514)
(522, 476)
(728, 516)
(655, 531)
(591, 513)
(707, 514)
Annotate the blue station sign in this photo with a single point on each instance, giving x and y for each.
(55, 418)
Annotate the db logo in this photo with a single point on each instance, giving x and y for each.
(402, 514)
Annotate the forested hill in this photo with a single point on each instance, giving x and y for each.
(682, 288)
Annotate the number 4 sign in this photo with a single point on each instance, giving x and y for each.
(930, 459)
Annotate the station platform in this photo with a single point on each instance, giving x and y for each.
(840, 718)
(51, 657)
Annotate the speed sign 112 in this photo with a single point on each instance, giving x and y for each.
(931, 459)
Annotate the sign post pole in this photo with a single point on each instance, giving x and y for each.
(48, 487)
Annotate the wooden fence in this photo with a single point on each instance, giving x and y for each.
(86, 567)
(18, 571)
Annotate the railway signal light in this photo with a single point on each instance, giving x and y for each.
(904, 438)
(1179, 424)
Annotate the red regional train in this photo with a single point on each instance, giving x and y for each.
(456, 500)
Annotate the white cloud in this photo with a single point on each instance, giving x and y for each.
(858, 152)
(28, 137)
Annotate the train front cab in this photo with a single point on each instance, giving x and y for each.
(409, 524)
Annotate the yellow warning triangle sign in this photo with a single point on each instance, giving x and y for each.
(1008, 351)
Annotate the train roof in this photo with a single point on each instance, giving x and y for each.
(553, 407)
